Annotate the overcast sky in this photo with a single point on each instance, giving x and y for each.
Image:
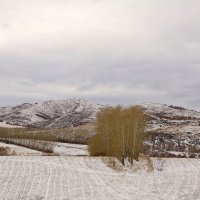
(106, 51)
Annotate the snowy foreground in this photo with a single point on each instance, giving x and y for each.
(79, 178)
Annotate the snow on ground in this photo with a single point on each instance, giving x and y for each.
(4, 125)
(61, 149)
(67, 149)
(20, 151)
(84, 178)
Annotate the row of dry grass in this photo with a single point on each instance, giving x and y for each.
(79, 135)
(42, 139)
(38, 145)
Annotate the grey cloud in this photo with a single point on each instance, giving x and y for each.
(107, 51)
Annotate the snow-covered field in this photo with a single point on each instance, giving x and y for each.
(61, 149)
(67, 149)
(20, 151)
(82, 178)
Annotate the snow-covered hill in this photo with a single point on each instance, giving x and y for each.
(162, 115)
(172, 128)
(51, 114)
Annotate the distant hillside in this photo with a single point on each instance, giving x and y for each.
(51, 114)
(172, 129)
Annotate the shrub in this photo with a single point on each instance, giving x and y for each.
(4, 151)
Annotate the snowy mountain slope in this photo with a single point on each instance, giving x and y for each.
(51, 114)
(162, 115)
(172, 128)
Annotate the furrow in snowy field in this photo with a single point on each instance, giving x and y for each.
(78, 178)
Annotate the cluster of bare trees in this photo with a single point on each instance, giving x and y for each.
(120, 133)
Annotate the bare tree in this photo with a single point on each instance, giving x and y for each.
(120, 133)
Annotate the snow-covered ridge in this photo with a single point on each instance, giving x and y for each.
(172, 128)
(52, 114)
(74, 112)
(162, 115)
(4, 125)
(170, 110)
